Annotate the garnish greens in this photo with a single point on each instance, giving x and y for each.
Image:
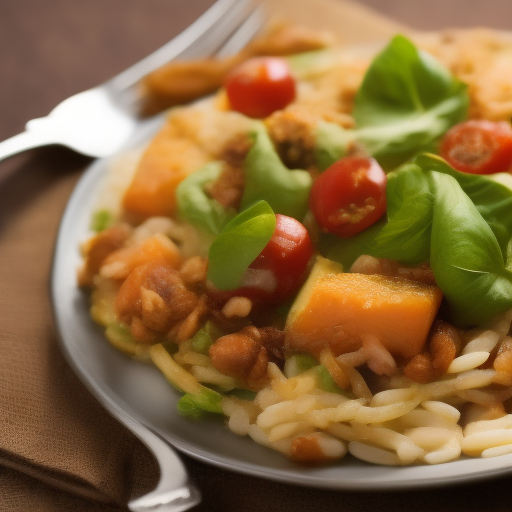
(461, 223)
(406, 102)
(238, 245)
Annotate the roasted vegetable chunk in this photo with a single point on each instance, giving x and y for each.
(169, 158)
(341, 309)
(245, 355)
(152, 299)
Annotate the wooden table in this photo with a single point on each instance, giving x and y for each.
(50, 50)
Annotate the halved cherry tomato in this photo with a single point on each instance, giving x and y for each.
(478, 146)
(349, 196)
(260, 86)
(279, 270)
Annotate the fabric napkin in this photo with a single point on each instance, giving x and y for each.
(52, 430)
(59, 450)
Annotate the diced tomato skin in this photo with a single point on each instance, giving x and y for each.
(260, 86)
(478, 146)
(287, 255)
(349, 196)
(285, 258)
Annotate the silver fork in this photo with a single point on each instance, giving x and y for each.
(97, 122)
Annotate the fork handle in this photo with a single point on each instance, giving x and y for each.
(174, 492)
(23, 141)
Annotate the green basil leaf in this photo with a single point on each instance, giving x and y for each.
(194, 205)
(502, 177)
(466, 257)
(268, 179)
(407, 100)
(406, 236)
(492, 197)
(508, 259)
(238, 245)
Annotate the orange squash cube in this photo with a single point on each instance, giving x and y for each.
(170, 157)
(338, 309)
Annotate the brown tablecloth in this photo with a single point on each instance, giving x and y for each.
(59, 450)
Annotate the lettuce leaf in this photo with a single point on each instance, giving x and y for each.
(194, 205)
(406, 102)
(268, 179)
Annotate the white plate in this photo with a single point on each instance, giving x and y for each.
(130, 389)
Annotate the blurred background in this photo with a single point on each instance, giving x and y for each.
(437, 14)
(69, 45)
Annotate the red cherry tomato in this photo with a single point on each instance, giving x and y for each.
(260, 86)
(478, 146)
(279, 270)
(349, 196)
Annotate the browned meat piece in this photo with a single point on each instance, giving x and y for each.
(185, 329)
(245, 355)
(293, 135)
(152, 299)
(228, 189)
(421, 369)
(99, 248)
(235, 151)
(443, 345)
(312, 449)
(273, 340)
(503, 361)
(193, 270)
(241, 356)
